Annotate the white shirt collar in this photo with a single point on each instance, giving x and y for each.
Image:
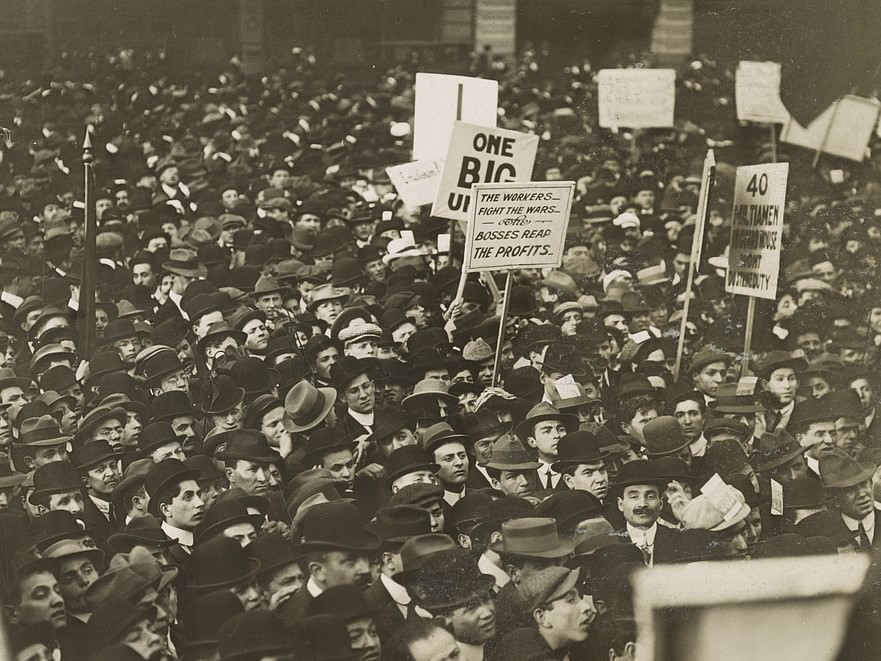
(396, 591)
(643, 538)
(102, 505)
(471, 652)
(698, 447)
(868, 523)
(453, 497)
(313, 587)
(181, 536)
(488, 567)
(363, 419)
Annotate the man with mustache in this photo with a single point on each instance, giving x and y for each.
(849, 487)
(638, 490)
(337, 552)
(98, 465)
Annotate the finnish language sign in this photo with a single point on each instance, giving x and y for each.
(517, 225)
(756, 230)
(636, 98)
(477, 155)
(757, 93)
(440, 101)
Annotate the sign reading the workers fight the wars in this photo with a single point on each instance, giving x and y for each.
(440, 101)
(478, 155)
(756, 230)
(757, 93)
(636, 98)
(519, 225)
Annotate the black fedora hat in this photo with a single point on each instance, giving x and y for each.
(119, 329)
(406, 460)
(327, 636)
(397, 524)
(166, 472)
(155, 435)
(58, 378)
(336, 526)
(219, 330)
(256, 634)
(8, 477)
(219, 562)
(42, 431)
(570, 507)
(159, 362)
(202, 304)
(389, 420)
(324, 441)
(261, 405)
(96, 416)
(225, 395)
(348, 368)
(105, 362)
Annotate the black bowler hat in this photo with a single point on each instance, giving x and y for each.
(273, 551)
(406, 460)
(225, 395)
(348, 368)
(54, 477)
(141, 531)
(344, 601)
(166, 472)
(255, 376)
(249, 445)
(638, 472)
(202, 304)
(105, 362)
(327, 636)
(578, 447)
(58, 378)
(399, 523)
(155, 435)
(220, 562)
(112, 619)
(389, 420)
(261, 405)
(336, 525)
(86, 456)
(221, 515)
(119, 329)
(169, 405)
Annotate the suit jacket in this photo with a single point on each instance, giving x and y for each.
(98, 525)
(298, 606)
(665, 538)
(388, 616)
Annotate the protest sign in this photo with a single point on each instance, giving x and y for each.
(756, 229)
(440, 101)
(843, 129)
(517, 225)
(636, 98)
(757, 93)
(416, 182)
(478, 154)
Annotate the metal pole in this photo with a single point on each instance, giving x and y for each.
(507, 300)
(90, 258)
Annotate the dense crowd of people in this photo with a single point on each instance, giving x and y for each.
(292, 440)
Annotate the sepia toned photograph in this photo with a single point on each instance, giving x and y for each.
(440, 330)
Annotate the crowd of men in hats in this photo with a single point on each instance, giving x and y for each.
(290, 441)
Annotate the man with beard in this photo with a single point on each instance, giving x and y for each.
(451, 587)
(347, 603)
(175, 499)
(849, 486)
(99, 468)
(638, 491)
(337, 550)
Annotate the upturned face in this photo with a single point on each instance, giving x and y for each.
(640, 504)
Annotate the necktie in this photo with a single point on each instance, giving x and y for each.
(865, 544)
(774, 419)
(411, 611)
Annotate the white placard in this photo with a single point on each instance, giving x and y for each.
(477, 155)
(757, 93)
(843, 129)
(756, 230)
(636, 98)
(440, 101)
(416, 182)
(519, 225)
